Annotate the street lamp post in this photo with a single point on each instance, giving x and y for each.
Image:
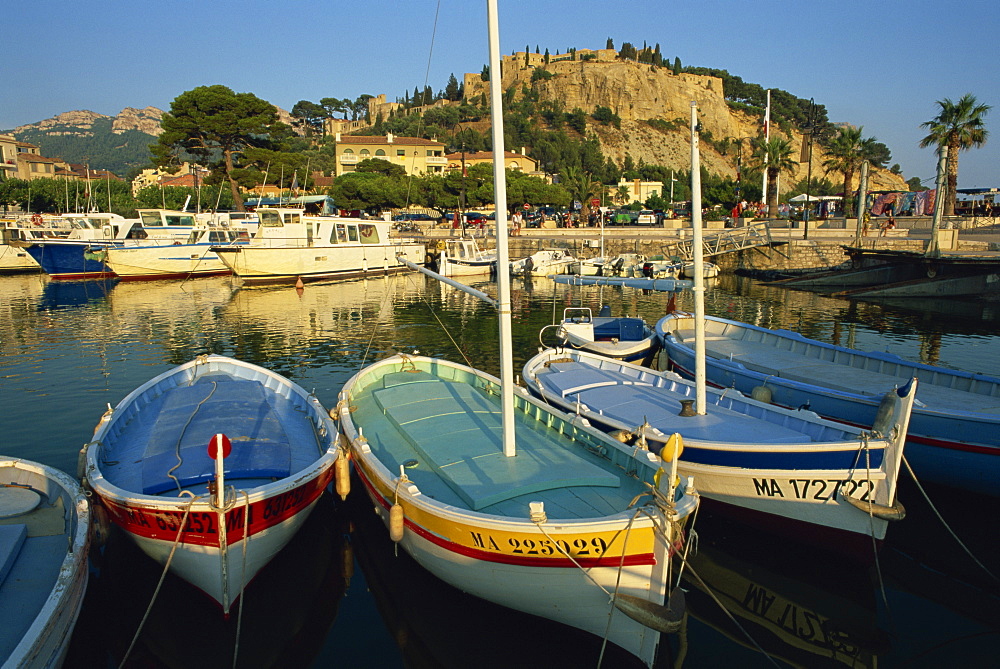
(811, 130)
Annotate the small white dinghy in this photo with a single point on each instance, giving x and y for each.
(626, 338)
(195, 456)
(44, 539)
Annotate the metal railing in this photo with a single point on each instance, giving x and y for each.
(727, 241)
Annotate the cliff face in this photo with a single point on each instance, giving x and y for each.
(638, 93)
(81, 122)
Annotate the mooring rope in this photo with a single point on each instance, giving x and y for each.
(180, 437)
(243, 573)
(163, 575)
(945, 523)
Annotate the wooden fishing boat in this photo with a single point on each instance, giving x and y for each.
(211, 468)
(44, 538)
(619, 337)
(792, 465)
(508, 499)
(290, 246)
(550, 531)
(463, 257)
(954, 434)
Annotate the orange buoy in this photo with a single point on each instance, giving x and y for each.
(342, 474)
(396, 522)
(298, 282)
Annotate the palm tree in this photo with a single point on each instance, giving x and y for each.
(959, 126)
(581, 186)
(845, 154)
(775, 156)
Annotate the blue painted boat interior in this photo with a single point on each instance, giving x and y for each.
(634, 398)
(169, 437)
(32, 548)
(446, 434)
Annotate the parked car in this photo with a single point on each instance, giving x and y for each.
(646, 217)
(415, 217)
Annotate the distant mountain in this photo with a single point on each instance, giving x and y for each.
(116, 143)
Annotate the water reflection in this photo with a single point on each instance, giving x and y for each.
(66, 351)
(287, 610)
(794, 603)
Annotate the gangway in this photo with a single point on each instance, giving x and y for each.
(727, 241)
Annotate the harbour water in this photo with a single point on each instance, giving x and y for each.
(340, 596)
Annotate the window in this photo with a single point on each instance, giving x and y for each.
(179, 219)
(401, 152)
(369, 233)
(380, 152)
(269, 219)
(352, 233)
(365, 152)
(291, 219)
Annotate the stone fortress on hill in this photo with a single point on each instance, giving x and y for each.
(636, 93)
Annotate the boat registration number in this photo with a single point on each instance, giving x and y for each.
(820, 490)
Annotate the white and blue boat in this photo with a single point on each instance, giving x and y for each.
(80, 255)
(954, 434)
(806, 473)
(45, 527)
(627, 338)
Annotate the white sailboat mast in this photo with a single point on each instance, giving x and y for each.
(767, 138)
(699, 266)
(503, 265)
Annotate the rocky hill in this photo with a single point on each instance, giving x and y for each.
(116, 143)
(638, 93)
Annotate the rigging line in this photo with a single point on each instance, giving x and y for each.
(427, 74)
(732, 618)
(944, 522)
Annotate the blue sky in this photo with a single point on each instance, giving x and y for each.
(881, 65)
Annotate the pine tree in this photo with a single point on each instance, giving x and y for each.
(610, 44)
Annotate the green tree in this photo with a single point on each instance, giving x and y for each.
(845, 154)
(212, 123)
(913, 183)
(775, 156)
(959, 126)
(452, 91)
(309, 116)
(581, 186)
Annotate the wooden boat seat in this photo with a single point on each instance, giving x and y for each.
(457, 432)
(11, 539)
(237, 408)
(628, 401)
